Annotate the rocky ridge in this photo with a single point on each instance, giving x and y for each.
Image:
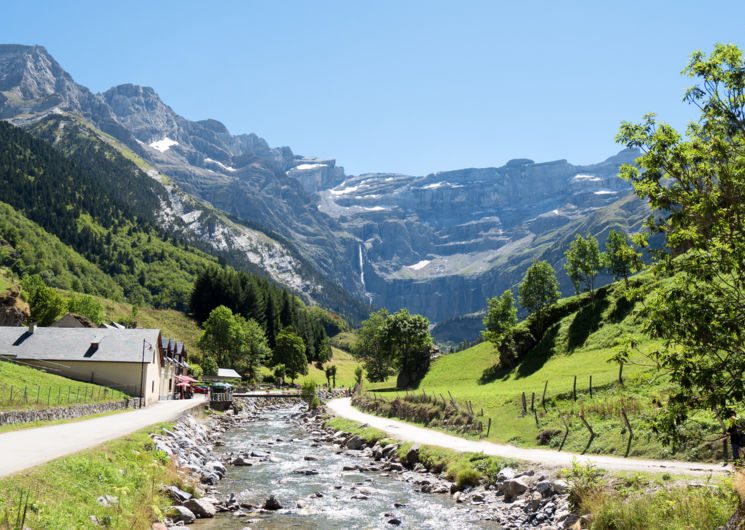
(439, 244)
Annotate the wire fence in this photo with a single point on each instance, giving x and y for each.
(26, 396)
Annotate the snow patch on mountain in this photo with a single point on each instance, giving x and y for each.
(220, 164)
(163, 145)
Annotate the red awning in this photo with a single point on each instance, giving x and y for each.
(186, 379)
(182, 384)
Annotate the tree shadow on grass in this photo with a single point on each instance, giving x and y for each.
(621, 309)
(534, 361)
(585, 322)
(493, 373)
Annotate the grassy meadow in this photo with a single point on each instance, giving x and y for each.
(578, 344)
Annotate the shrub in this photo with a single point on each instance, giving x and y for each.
(467, 477)
(584, 480)
(308, 391)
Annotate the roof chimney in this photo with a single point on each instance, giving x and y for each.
(32, 328)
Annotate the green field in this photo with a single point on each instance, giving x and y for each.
(579, 344)
(345, 366)
(23, 387)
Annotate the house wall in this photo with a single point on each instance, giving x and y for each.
(123, 376)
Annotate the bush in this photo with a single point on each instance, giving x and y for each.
(584, 481)
(314, 403)
(308, 391)
(467, 477)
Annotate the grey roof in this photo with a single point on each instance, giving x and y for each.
(228, 372)
(76, 344)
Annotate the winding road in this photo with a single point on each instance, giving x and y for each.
(411, 433)
(20, 450)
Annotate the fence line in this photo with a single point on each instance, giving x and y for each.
(59, 395)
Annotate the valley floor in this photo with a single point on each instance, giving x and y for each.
(411, 433)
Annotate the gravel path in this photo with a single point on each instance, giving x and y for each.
(548, 457)
(31, 447)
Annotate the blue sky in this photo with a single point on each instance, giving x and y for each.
(401, 86)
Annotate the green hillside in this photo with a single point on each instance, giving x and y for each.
(26, 248)
(581, 335)
(23, 387)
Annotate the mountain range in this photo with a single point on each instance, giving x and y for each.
(439, 244)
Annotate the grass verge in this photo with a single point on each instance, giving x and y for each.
(65, 493)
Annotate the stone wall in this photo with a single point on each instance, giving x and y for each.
(65, 413)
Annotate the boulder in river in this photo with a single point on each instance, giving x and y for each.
(201, 507)
(272, 503)
(182, 514)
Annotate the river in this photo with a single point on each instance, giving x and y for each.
(325, 499)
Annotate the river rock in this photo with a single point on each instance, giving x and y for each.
(355, 443)
(178, 494)
(506, 473)
(272, 503)
(182, 514)
(305, 472)
(209, 477)
(543, 487)
(560, 486)
(241, 461)
(394, 521)
(216, 467)
(201, 507)
(412, 455)
(513, 487)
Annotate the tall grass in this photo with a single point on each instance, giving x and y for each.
(64, 492)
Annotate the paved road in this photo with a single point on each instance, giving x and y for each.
(20, 450)
(411, 433)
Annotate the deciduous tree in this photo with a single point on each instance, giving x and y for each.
(696, 185)
(621, 259)
(501, 317)
(584, 261)
(539, 288)
(290, 351)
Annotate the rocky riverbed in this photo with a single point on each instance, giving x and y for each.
(273, 464)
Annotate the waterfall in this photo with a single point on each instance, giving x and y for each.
(362, 269)
(362, 278)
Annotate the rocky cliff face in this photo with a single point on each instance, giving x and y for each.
(440, 244)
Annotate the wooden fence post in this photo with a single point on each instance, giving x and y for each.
(452, 401)
(590, 386)
(532, 401)
(620, 374)
(488, 429)
(11, 393)
(535, 415)
(525, 405)
(631, 433)
(582, 417)
(566, 426)
(574, 389)
(543, 399)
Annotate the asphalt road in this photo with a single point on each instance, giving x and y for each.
(411, 433)
(20, 450)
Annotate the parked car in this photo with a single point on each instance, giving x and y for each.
(200, 389)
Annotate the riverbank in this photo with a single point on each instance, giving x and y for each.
(369, 469)
(269, 464)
